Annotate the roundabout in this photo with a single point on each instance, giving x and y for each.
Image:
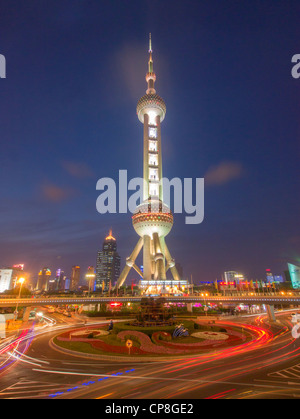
(153, 343)
(65, 371)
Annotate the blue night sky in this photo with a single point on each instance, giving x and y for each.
(75, 71)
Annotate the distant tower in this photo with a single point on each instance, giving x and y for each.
(90, 278)
(108, 263)
(60, 280)
(75, 278)
(152, 220)
(44, 276)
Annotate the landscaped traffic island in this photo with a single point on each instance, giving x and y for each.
(183, 338)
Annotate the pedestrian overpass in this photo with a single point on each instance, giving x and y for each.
(269, 301)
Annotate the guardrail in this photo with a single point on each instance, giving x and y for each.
(247, 299)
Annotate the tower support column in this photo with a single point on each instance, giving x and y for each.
(130, 262)
(159, 258)
(171, 264)
(147, 258)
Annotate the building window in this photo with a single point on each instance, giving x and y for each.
(152, 132)
(153, 174)
(153, 160)
(153, 190)
(153, 145)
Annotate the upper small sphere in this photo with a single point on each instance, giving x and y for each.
(151, 103)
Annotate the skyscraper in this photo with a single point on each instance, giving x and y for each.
(90, 278)
(60, 280)
(152, 219)
(44, 276)
(295, 275)
(75, 278)
(6, 279)
(108, 263)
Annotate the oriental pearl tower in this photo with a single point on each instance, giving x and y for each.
(152, 219)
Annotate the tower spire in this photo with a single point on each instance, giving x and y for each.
(150, 76)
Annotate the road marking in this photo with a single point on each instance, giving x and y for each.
(106, 395)
(284, 373)
(134, 377)
(129, 395)
(35, 388)
(280, 382)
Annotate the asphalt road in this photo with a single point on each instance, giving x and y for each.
(268, 367)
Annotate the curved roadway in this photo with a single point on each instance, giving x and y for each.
(268, 367)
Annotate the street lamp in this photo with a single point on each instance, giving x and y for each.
(205, 295)
(21, 282)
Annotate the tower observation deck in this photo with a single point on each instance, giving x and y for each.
(152, 219)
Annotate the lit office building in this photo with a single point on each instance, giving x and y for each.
(108, 263)
(295, 275)
(269, 276)
(57, 283)
(90, 278)
(6, 279)
(233, 276)
(75, 278)
(60, 280)
(43, 279)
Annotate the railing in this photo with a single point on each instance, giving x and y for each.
(234, 299)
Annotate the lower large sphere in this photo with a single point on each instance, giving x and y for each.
(152, 216)
(151, 103)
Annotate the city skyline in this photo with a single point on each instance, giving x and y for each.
(225, 123)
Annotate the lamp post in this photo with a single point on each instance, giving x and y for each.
(21, 282)
(205, 295)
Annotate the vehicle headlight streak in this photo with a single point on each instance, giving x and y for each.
(11, 346)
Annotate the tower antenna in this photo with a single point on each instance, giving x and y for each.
(150, 43)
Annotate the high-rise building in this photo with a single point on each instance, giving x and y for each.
(43, 278)
(269, 276)
(58, 283)
(90, 277)
(75, 278)
(233, 276)
(295, 275)
(152, 219)
(6, 279)
(287, 276)
(108, 263)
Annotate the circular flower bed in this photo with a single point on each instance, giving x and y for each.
(210, 335)
(156, 343)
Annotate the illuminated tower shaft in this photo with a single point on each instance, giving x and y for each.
(152, 220)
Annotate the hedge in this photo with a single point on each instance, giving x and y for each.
(120, 327)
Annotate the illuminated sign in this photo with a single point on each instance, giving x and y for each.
(115, 304)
